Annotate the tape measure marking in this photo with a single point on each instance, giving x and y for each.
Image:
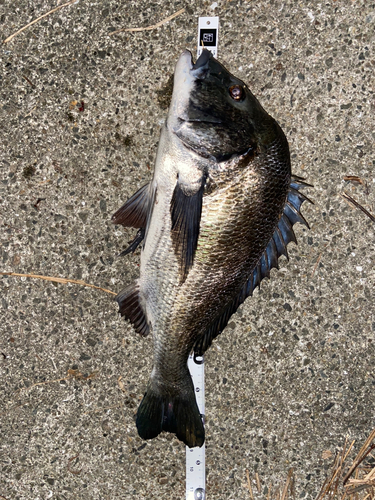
(196, 457)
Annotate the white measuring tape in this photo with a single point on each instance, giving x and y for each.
(196, 457)
(208, 37)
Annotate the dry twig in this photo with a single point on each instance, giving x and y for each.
(357, 484)
(346, 196)
(363, 452)
(354, 178)
(153, 26)
(70, 374)
(269, 492)
(249, 485)
(318, 260)
(28, 81)
(38, 19)
(331, 485)
(43, 383)
(257, 479)
(79, 376)
(58, 280)
(29, 113)
(287, 484)
(348, 488)
(68, 466)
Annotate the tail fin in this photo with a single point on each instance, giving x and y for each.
(178, 414)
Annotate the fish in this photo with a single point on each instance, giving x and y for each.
(213, 222)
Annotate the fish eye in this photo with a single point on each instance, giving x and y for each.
(236, 92)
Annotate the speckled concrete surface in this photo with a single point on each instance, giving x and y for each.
(79, 113)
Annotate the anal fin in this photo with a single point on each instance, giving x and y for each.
(131, 308)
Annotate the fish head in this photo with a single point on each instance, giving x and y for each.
(212, 112)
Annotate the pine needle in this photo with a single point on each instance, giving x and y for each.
(38, 19)
(58, 280)
(152, 27)
(346, 196)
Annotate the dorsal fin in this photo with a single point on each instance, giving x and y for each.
(276, 247)
(186, 211)
(130, 307)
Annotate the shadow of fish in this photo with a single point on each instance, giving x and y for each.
(215, 218)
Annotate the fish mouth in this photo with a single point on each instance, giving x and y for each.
(200, 68)
(191, 72)
(197, 69)
(202, 59)
(210, 121)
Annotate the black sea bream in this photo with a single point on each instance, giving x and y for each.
(214, 219)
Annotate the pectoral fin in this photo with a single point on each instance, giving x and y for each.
(134, 212)
(186, 210)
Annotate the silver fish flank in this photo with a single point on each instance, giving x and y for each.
(214, 220)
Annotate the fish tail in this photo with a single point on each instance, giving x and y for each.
(178, 414)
